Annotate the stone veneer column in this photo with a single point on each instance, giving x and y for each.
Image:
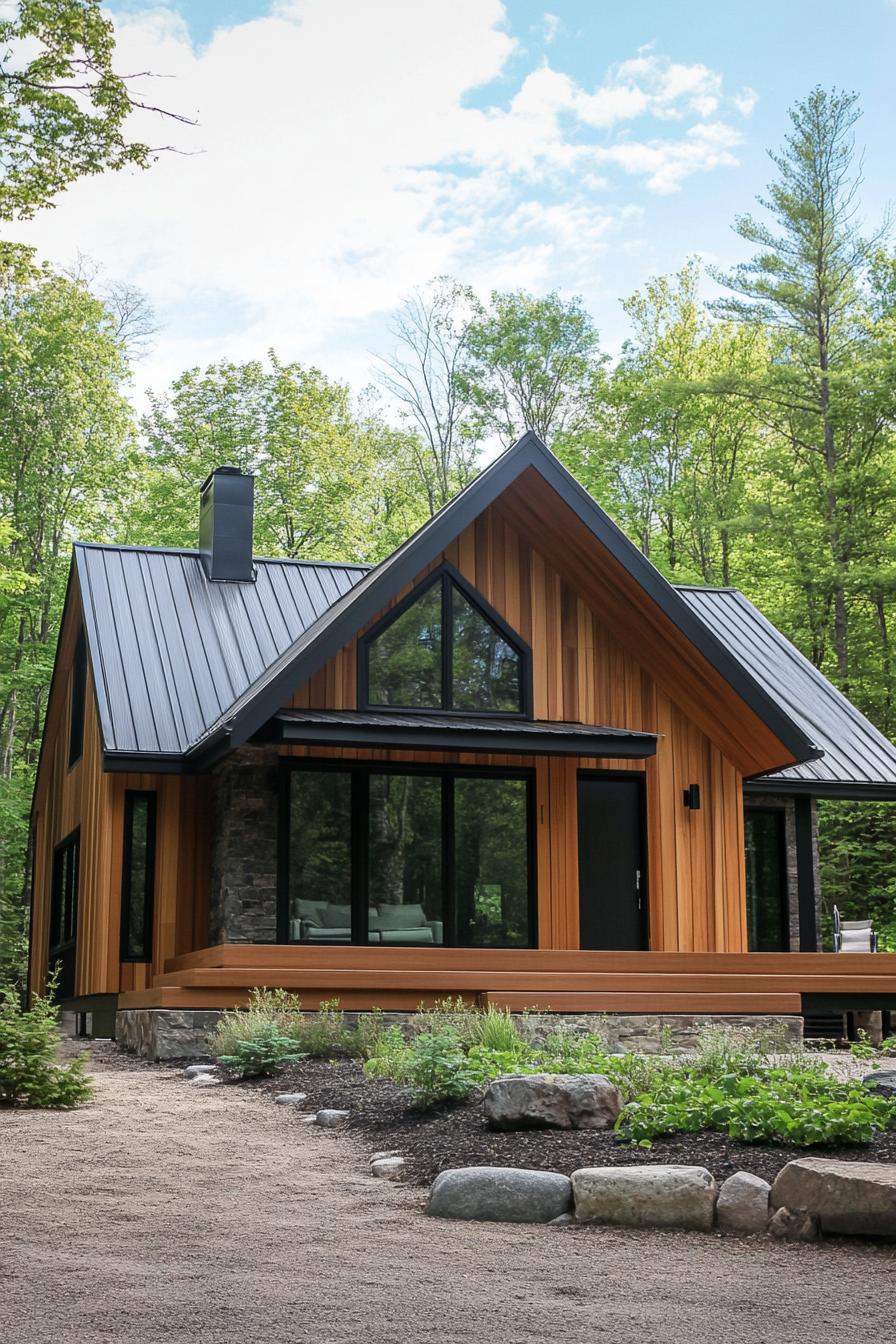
(243, 895)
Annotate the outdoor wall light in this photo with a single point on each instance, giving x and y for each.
(692, 797)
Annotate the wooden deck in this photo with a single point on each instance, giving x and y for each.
(548, 980)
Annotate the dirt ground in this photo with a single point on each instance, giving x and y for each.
(163, 1210)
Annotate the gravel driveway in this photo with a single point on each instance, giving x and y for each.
(162, 1210)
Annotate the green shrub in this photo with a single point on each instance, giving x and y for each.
(262, 1054)
(323, 1034)
(888, 1047)
(388, 1056)
(267, 1008)
(30, 1074)
(436, 1068)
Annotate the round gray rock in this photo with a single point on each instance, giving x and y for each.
(742, 1205)
(388, 1167)
(195, 1070)
(883, 1082)
(330, 1119)
(290, 1098)
(500, 1195)
(552, 1101)
(649, 1196)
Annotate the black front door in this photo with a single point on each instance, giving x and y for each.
(612, 894)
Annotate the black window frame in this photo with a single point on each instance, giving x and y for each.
(61, 950)
(449, 577)
(131, 797)
(359, 773)
(77, 706)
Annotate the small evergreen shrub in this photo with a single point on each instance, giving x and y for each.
(262, 1054)
(30, 1073)
(268, 1008)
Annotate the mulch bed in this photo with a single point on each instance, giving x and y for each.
(383, 1117)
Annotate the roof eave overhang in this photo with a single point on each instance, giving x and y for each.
(833, 789)
(499, 741)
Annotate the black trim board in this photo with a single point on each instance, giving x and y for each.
(450, 737)
(847, 791)
(354, 609)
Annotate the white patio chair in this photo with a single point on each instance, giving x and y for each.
(853, 935)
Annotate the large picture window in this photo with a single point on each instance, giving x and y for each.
(138, 876)
(444, 648)
(406, 856)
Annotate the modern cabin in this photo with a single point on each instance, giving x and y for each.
(511, 762)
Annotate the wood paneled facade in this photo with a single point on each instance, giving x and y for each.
(601, 655)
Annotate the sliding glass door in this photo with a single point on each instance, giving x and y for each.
(403, 856)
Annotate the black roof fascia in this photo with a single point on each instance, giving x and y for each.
(821, 788)
(360, 604)
(448, 737)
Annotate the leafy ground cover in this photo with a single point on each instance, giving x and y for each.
(737, 1086)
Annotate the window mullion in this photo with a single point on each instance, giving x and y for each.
(360, 853)
(447, 645)
(449, 865)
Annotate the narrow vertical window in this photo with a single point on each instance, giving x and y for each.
(79, 686)
(138, 876)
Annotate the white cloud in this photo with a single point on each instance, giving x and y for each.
(551, 27)
(747, 99)
(341, 158)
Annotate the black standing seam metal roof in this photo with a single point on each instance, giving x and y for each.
(171, 651)
(858, 760)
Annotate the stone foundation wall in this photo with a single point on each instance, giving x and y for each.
(166, 1033)
(243, 894)
(169, 1033)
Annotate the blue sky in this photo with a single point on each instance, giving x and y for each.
(348, 150)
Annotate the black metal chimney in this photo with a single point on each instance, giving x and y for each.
(225, 525)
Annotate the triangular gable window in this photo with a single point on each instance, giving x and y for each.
(444, 648)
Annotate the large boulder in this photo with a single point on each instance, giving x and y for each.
(500, 1195)
(742, 1205)
(552, 1101)
(650, 1196)
(850, 1197)
(882, 1082)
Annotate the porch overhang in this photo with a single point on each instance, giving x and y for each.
(422, 732)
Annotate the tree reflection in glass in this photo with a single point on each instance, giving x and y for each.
(404, 666)
(486, 670)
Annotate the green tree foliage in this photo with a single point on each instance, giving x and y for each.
(532, 362)
(64, 424)
(63, 108)
(332, 483)
(670, 459)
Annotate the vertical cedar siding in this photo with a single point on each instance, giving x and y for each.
(582, 672)
(83, 795)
